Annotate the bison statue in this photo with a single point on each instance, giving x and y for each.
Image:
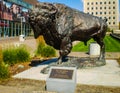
(60, 25)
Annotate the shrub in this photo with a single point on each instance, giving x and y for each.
(41, 40)
(43, 49)
(40, 48)
(1, 56)
(22, 54)
(48, 51)
(9, 56)
(15, 54)
(4, 72)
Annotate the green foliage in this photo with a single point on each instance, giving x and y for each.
(15, 55)
(48, 51)
(40, 48)
(1, 56)
(22, 54)
(45, 50)
(111, 45)
(4, 72)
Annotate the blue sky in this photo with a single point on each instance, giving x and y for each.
(77, 4)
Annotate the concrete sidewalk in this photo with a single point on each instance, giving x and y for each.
(108, 75)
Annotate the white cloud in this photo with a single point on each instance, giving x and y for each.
(81, 0)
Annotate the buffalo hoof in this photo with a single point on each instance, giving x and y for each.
(59, 62)
(100, 62)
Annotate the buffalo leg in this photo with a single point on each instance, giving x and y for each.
(65, 48)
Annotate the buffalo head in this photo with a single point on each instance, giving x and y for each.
(41, 15)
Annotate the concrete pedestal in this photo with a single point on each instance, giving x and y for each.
(94, 49)
(61, 80)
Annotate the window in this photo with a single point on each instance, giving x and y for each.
(109, 7)
(92, 13)
(113, 7)
(109, 23)
(113, 17)
(104, 7)
(88, 8)
(104, 2)
(109, 17)
(100, 2)
(96, 3)
(96, 8)
(113, 22)
(92, 8)
(113, 12)
(109, 12)
(100, 7)
(100, 12)
(104, 12)
(109, 2)
(113, 2)
(88, 3)
(92, 3)
(96, 13)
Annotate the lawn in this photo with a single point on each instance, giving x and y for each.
(112, 45)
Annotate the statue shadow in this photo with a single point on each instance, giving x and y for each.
(47, 62)
(70, 61)
(42, 62)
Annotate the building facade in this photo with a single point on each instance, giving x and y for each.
(105, 9)
(13, 17)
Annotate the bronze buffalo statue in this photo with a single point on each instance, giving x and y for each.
(60, 25)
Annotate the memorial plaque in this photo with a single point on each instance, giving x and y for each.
(61, 73)
(61, 79)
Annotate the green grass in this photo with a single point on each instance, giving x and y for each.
(112, 45)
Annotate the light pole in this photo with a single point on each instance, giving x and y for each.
(21, 23)
(21, 36)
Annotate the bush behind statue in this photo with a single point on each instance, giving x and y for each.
(15, 55)
(45, 50)
(48, 51)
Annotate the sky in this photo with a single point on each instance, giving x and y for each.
(77, 4)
